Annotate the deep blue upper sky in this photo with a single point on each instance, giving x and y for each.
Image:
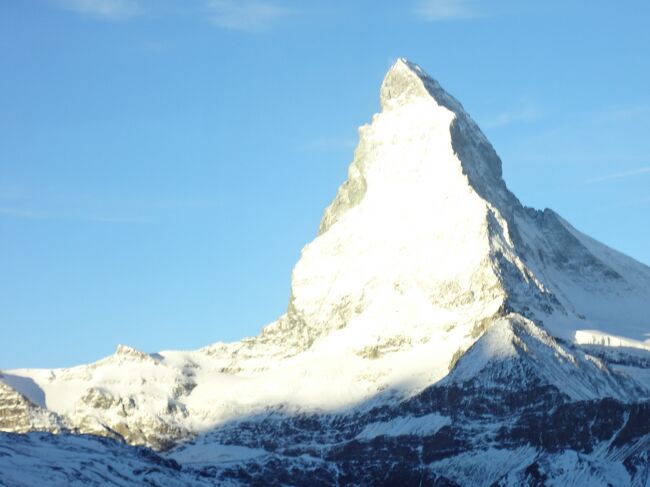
(162, 162)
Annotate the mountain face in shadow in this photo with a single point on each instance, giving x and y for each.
(438, 333)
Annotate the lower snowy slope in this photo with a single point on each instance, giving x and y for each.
(40, 459)
(159, 399)
(495, 420)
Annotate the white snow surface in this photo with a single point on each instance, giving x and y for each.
(422, 252)
(37, 459)
(568, 468)
(210, 453)
(425, 425)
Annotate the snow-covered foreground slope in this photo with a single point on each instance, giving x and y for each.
(428, 279)
(41, 459)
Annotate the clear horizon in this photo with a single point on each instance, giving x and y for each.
(163, 163)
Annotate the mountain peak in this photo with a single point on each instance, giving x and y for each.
(425, 212)
(402, 83)
(406, 85)
(405, 82)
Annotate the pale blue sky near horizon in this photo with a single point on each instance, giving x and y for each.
(163, 162)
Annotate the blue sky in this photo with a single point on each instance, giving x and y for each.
(162, 162)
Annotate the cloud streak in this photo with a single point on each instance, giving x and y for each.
(445, 10)
(113, 10)
(620, 175)
(627, 204)
(19, 204)
(526, 112)
(331, 143)
(240, 15)
(24, 214)
(245, 15)
(621, 113)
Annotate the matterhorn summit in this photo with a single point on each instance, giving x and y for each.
(438, 333)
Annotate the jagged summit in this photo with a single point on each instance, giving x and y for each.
(407, 83)
(416, 108)
(406, 80)
(403, 81)
(411, 224)
(424, 172)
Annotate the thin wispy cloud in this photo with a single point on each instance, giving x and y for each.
(625, 204)
(621, 113)
(331, 143)
(570, 141)
(443, 10)
(620, 175)
(21, 204)
(245, 15)
(103, 9)
(25, 214)
(241, 15)
(639, 202)
(526, 111)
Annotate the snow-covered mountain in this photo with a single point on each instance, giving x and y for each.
(438, 332)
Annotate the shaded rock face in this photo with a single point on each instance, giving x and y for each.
(438, 333)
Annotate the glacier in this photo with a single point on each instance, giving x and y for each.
(438, 332)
